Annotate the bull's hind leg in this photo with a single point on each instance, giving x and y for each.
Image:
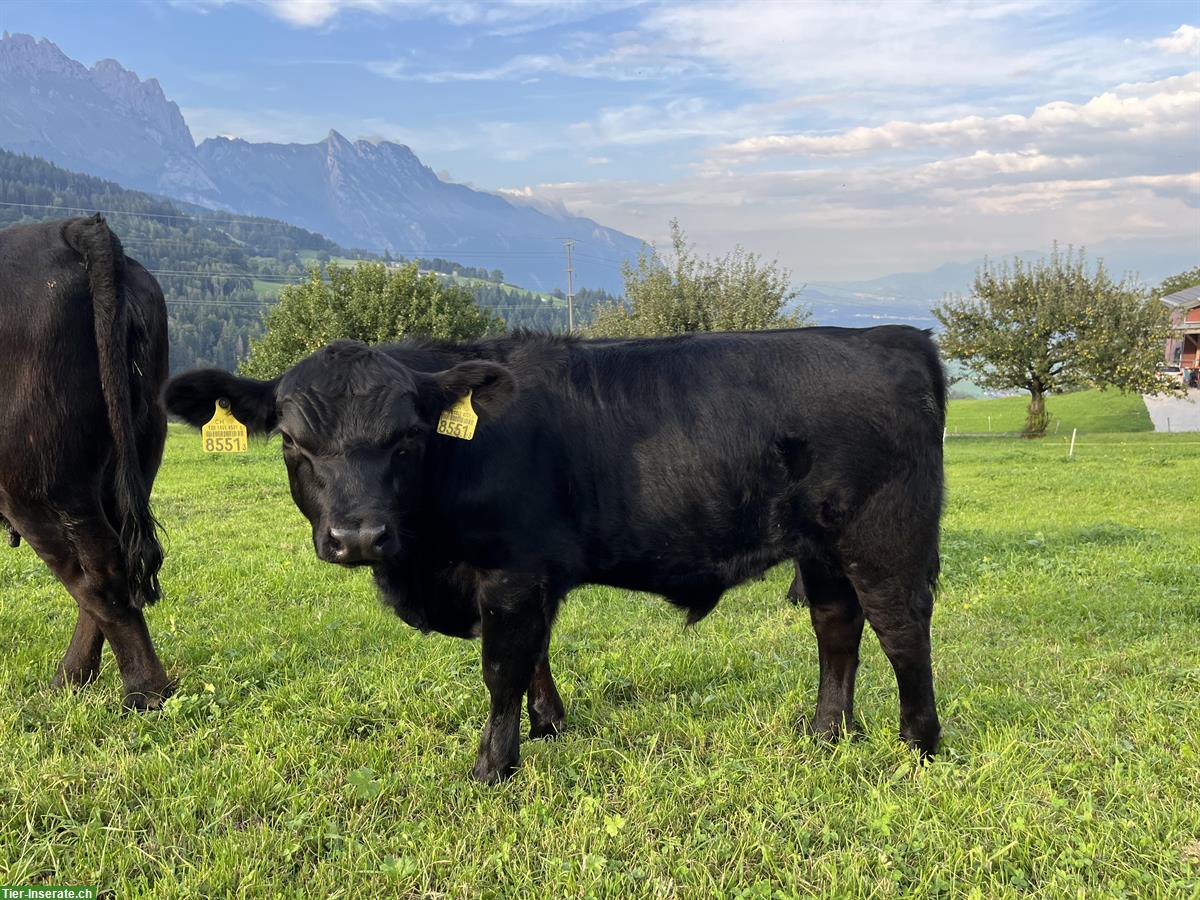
(80, 665)
(796, 592)
(515, 635)
(86, 557)
(837, 620)
(899, 612)
(547, 716)
(99, 586)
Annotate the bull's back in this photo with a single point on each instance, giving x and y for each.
(729, 453)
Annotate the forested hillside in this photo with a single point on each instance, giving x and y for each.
(219, 270)
(215, 270)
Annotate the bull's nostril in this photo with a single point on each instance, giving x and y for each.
(378, 538)
(338, 542)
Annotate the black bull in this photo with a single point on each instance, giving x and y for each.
(83, 357)
(681, 466)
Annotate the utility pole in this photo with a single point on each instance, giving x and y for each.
(569, 244)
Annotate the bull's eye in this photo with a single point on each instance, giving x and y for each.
(288, 443)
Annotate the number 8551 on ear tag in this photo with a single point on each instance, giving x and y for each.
(458, 420)
(224, 433)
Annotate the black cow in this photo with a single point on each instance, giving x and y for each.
(83, 357)
(681, 466)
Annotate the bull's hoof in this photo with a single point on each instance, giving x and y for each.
(829, 729)
(147, 700)
(490, 772)
(923, 737)
(74, 678)
(546, 728)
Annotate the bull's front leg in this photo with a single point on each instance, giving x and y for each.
(514, 632)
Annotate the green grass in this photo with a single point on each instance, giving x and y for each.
(511, 290)
(266, 290)
(313, 256)
(318, 743)
(1089, 411)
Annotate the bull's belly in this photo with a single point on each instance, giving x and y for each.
(673, 573)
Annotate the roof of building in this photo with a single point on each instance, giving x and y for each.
(1188, 297)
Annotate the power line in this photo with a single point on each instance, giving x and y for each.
(264, 277)
(540, 306)
(247, 220)
(278, 223)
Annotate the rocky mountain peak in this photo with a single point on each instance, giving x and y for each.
(25, 55)
(145, 99)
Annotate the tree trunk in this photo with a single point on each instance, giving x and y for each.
(1036, 419)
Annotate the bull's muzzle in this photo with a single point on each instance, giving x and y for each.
(364, 545)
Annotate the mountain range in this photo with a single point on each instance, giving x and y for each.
(373, 195)
(379, 196)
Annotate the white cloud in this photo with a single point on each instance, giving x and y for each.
(830, 224)
(313, 13)
(1185, 39)
(906, 195)
(1132, 112)
(510, 17)
(920, 42)
(633, 62)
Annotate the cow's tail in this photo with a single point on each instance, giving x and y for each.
(938, 403)
(104, 260)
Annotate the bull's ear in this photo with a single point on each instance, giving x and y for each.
(492, 387)
(193, 396)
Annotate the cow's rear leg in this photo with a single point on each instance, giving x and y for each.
(837, 620)
(796, 592)
(514, 639)
(80, 665)
(88, 561)
(547, 716)
(899, 612)
(101, 590)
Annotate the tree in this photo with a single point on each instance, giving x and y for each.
(1179, 282)
(367, 302)
(684, 293)
(1053, 326)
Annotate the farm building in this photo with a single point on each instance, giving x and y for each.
(1183, 346)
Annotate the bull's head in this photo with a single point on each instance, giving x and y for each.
(355, 424)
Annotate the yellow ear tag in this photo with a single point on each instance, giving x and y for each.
(458, 420)
(224, 433)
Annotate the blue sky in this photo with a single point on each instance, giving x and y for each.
(848, 139)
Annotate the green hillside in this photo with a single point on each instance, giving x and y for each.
(219, 270)
(1091, 411)
(216, 269)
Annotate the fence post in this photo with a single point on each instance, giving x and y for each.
(1072, 452)
(944, 430)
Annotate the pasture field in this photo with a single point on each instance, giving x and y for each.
(319, 747)
(1089, 411)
